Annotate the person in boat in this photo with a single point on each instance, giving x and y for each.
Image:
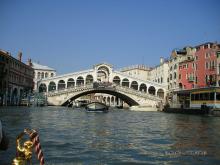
(4, 141)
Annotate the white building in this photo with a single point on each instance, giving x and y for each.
(159, 73)
(138, 71)
(41, 72)
(177, 56)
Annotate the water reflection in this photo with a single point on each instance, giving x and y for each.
(117, 137)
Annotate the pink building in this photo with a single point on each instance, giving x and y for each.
(201, 70)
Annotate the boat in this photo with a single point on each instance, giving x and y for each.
(96, 107)
(143, 108)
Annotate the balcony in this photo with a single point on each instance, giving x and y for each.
(212, 68)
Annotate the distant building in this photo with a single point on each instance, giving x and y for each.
(159, 73)
(138, 71)
(41, 72)
(16, 78)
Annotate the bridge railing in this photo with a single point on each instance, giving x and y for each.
(70, 89)
(106, 86)
(137, 92)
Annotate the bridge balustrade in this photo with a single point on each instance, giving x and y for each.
(106, 86)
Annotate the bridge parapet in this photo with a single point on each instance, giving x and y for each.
(137, 93)
(104, 86)
(69, 90)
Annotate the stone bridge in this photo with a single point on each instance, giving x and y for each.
(63, 89)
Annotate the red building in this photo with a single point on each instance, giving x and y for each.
(201, 69)
(206, 62)
(186, 74)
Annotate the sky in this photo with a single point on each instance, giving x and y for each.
(74, 35)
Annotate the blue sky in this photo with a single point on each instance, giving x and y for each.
(72, 35)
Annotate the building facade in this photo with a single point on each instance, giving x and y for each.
(201, 69)
(16, 78)
(159, 73)
(138, 71)
(176, 58)
(41, 72)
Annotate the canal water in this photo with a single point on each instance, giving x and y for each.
(119, 137)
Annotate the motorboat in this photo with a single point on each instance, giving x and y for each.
(143, 108)
(96, 107)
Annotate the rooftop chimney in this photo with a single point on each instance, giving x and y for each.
(29, 62)
(161, 60)
(19, 56)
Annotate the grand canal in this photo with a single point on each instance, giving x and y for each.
(119, 137)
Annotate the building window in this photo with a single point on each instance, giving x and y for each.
(38, 75)
(207, 55)
(174, 75)
(51, 75)
(206, 79)
(207, 65)
(206, 46)
(42, 75)
(179, 76)
(219, 68)
(46, 75)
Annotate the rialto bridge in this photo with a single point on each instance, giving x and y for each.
(63, 89)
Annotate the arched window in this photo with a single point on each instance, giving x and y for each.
(70, 83)
(61, 84)
(116, 80)
(42, 88)
(38, 75)
(143, 88)
(46, 75)
(151, 90)
(125, 82)
(52, 86)
(134, 85)
(42, 75)
(89, 79)
(79, 81)
(160, 93)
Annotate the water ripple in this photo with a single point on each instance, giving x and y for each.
(117, 137)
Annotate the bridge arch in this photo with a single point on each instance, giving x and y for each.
(134, 85)
(42, 88)
(52, 86)
(61, 85)
(89, 79)
(70, 83)
(122, 96)
(79, 81)
(152, 90)
(103, 73)
(160, 93)
(125, 82)
(117, 80)
(143, 87)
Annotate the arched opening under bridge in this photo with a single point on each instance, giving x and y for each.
(123, 97)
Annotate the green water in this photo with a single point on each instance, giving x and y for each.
(119, 137)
